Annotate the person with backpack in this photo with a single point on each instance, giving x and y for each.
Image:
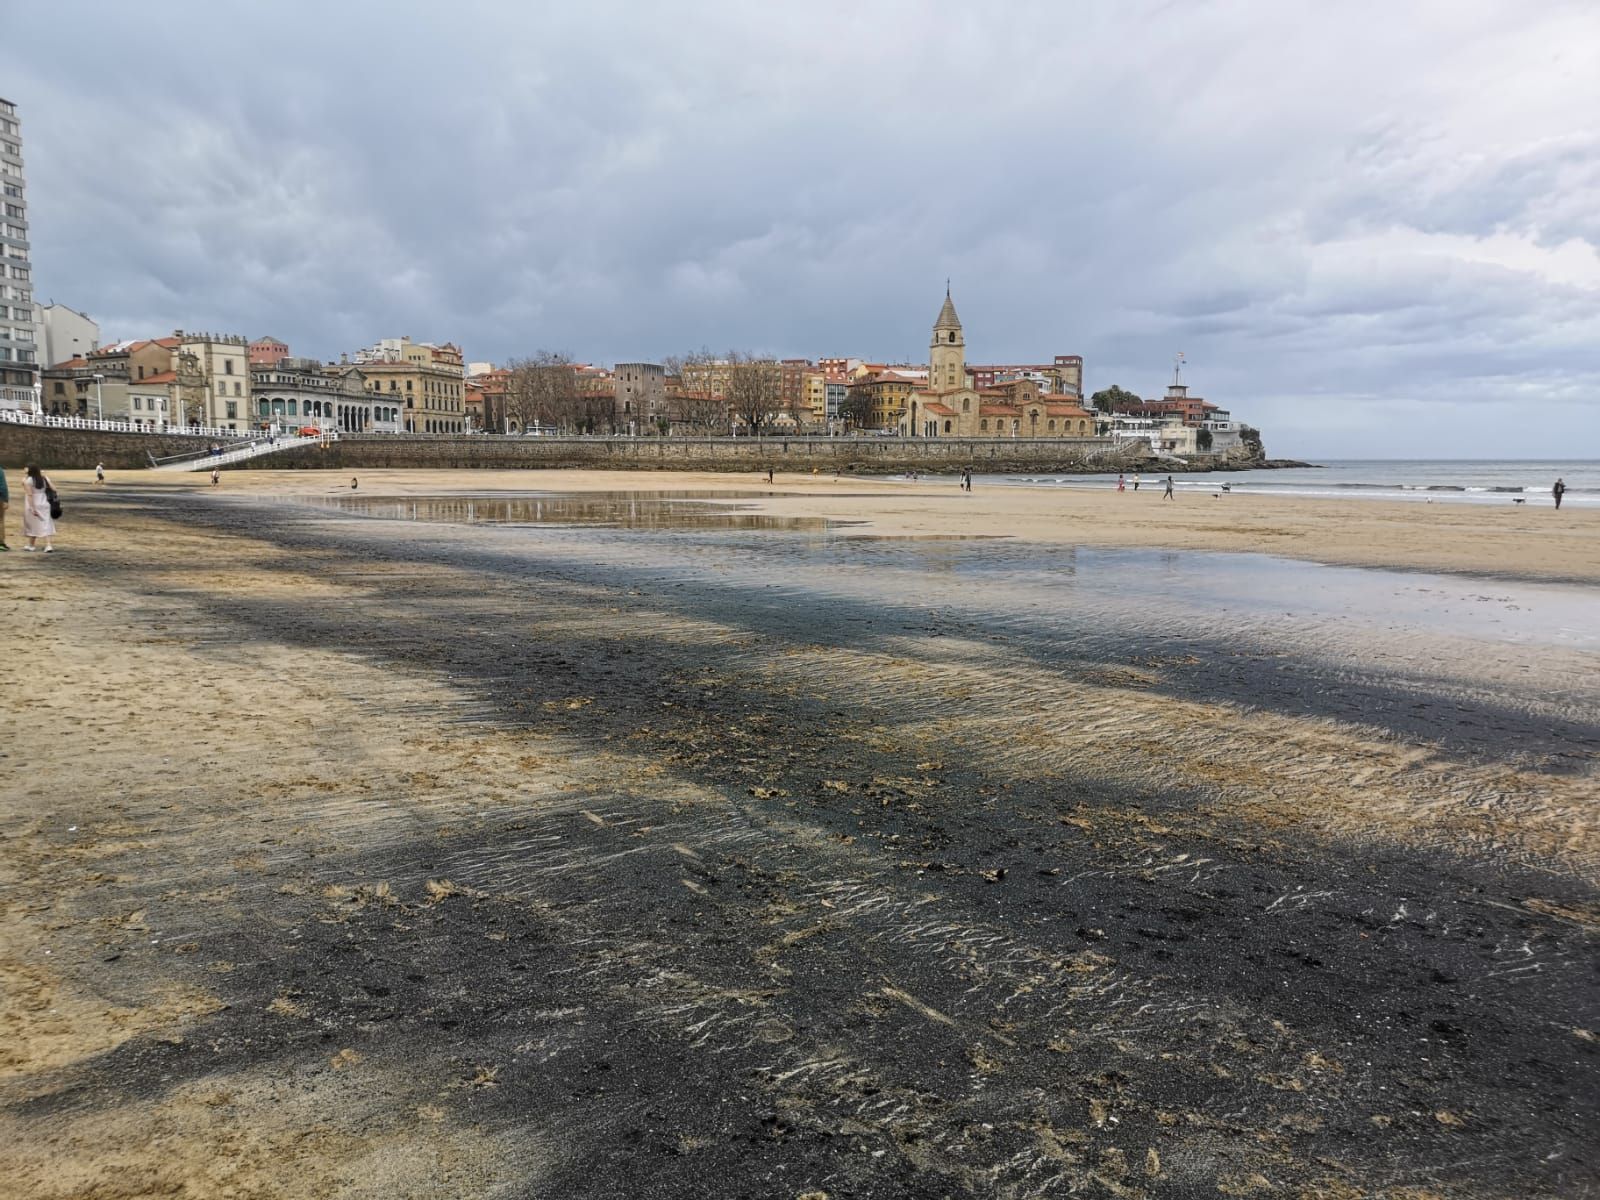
(39, 510)
(1559, 491)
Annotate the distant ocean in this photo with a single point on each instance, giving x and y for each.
(1465, 481)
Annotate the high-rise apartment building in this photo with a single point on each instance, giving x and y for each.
(19, 354)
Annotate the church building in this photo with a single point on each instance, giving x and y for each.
(951, 407)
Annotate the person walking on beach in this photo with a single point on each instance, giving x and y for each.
(37, 522)
(1121, 486)
(5, 502)
(354, 483)
(99, 472)
(1559, 491)
(1136, 481)
(1167, 495)
(216, 477)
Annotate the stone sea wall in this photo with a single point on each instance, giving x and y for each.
(830, 455)
(82, 448)
(73, 448)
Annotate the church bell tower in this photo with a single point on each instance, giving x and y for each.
(947, 353)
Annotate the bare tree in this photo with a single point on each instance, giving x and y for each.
(755, 389)
(856, 409)
(543, 391)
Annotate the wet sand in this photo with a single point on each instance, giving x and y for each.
(351, 856)
(1507, 541)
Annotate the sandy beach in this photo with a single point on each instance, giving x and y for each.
(903, 843)
(1503, 540)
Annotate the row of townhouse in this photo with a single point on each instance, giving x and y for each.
(224, 381)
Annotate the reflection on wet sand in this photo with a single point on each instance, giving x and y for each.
(617, 510)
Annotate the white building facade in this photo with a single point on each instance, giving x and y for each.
(294, 393)
(63, 333)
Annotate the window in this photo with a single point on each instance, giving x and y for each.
(984, 424)
(138, 404)
(1052, 422)
(233, 410)
(947, 426)
(966, 404)
(60, 388)
(236, 388)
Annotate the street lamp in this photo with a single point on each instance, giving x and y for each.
(99, 400)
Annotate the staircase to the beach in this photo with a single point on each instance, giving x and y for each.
(203, 461)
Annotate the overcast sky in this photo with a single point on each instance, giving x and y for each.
(1373, 228)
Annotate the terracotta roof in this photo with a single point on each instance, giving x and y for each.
(999, 410)
(943, 410)
(158, 377)
(76, 361)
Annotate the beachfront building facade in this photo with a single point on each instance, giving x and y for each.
(103, 382)
(223, 363)
(951, 405)
(423, 380)
(296, 393)
(487, 399)
(641, 396)
(883, 396)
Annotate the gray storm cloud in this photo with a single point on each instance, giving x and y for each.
(1354, 219)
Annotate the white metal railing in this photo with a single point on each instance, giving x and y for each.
(203, 462)
(90, 423)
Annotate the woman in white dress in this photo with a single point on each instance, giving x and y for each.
(37, 524)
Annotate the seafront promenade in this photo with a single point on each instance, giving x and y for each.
(848, 842)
